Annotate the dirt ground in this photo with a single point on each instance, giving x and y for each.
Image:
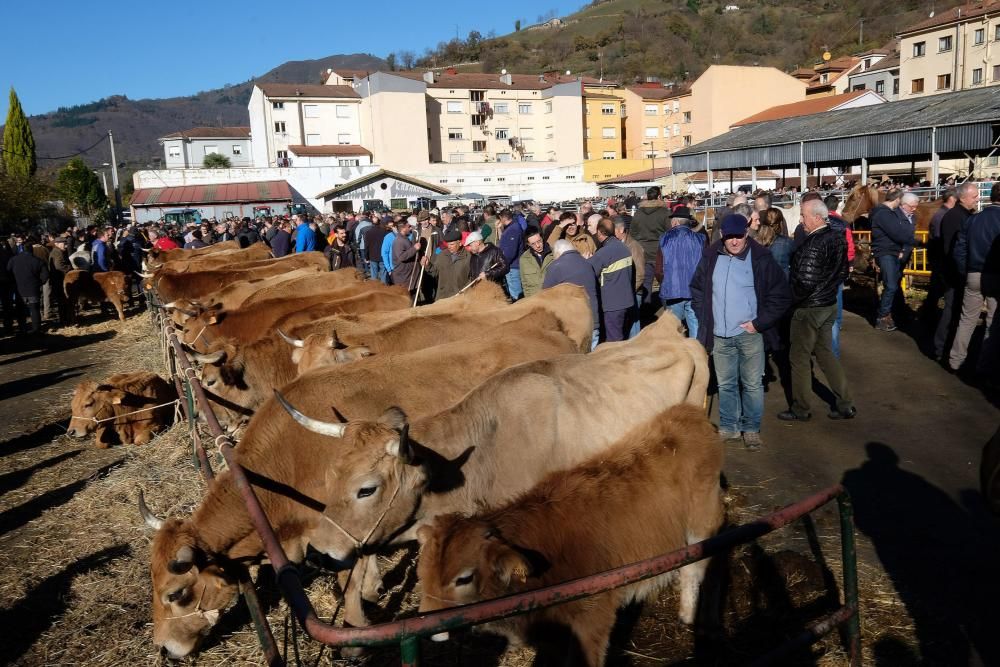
(74, 586)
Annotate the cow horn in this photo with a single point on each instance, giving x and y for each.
(147, 276)
(145, 250)
(213, 358)
(151, 519)
(294, 342)
(332, 429)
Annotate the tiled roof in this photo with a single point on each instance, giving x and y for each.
(599, 96)
(306, 90)
(223, 193)
(804, 108)
(330, 149)
(949, 16)
(212, 133)
(639, 176)
(886, 63)
(491, 80)
(660, 92)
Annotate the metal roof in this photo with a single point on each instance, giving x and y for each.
(228, 193)
(377, 175)
(964, 122)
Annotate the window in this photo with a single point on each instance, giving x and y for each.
(652, 132)
(607, 109)
(545, 178)
(607, 133)
(677, 129)
(477, 95)
(666, 131)
(312, 140)
(310, 110)
(917, 86)
(455, 158)
(824, 78)
(548, 107)
(880, 87)
(349, 162)
(209, 150)
(993, 161)
(501, 179)
(996, 33)
(919, 49)
(343, 138)
(677, 106)
(548, 132)
(944, 44)
(526, 132)
(586, 133)
(996, 72)
(609, 155)
(237, 149)
(282, 155)
(979, 36)
(460, 180)
(943, 81)
(455, 133)
(500, 107)
(977, 76)
(487, 180)
(454, 106)
(343, 111)
(279, 127)
(503, 157)
(174, 151)
(528, 157)
(859, 86)
(687, 139)
(277, 105)
(650, 109)
(686, 117)
(478, 119)
(478, 146)
(503, 133)
(868, 63)
(895, 86)
(524, 108)
(650, 154)
(531, 178)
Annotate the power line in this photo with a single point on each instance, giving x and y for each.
(57, 157)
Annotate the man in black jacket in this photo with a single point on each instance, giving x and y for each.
(29, 273)
(487, 261)
(818, 268)
(951, 280)
(892, 240)
(650, 222)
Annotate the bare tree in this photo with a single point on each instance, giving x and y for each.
(407, 58)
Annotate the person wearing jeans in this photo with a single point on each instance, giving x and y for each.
(677, 258)
(739, 294)
(892, 241)
(511, 245)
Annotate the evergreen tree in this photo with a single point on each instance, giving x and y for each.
(80, 188)
(18, 142)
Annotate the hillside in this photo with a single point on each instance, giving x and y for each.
(137, 124)
(628, 40)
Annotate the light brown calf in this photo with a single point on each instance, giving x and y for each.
(115, 410)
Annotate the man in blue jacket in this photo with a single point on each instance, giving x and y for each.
(678, 256)
(739, 294)
(386, 249)
(512, 245)
(570, 267)
(615, 272)
(305, 237)
(892, 240)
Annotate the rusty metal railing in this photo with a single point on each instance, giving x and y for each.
(407, 632)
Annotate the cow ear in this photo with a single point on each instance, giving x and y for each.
(104, 387)
(400, 447)
(297, 355)
(213, 319)
(335, 340)
(510, 566)
(117, 396)
(394, 418)
(424, 533)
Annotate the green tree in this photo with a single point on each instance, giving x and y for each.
(517, 25)
(21, 202)
(18, 142)
(216, 161)
(79, 187)
(390, 61)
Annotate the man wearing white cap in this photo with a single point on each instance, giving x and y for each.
(487, 261)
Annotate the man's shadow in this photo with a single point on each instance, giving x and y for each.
(942, 559)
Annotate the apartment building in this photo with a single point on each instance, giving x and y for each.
(187, 149)
(953, 50)
(288, 115)
(659, 120)
(881, 77)
(604, 124)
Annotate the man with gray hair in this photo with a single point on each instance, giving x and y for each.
(569, 266)
(892, 241)
(818, 268)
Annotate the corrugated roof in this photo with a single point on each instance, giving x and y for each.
(660, 93)
(374, 176)
(330, 149)
(306, 90)
(212, 133)
(804, 108)
(220, 193)
(738, 175)
(637, 176)
(949, 16)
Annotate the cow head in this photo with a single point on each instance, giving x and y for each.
(222, 376)
(378, 480)
(465, 560)
(190, 587)
(182, 310)
(93, 402)
(317, 350)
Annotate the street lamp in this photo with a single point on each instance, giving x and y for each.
(652, 158)
(104, 178)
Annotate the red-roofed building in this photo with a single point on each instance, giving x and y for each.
(811, 105)
(218, 201)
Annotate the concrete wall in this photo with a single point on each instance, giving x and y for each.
(960, 61)
(870, 81)
(393, 121)
(669, 113)
(329, 160)
(725, 94)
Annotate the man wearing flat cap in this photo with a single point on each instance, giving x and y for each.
(450, 267)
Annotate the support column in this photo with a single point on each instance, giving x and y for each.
(935, 164)
(708, 171)
(864, 171)
(803, 169)
(753, 179)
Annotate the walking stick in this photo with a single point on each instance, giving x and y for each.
(478, 278)
(420, 280)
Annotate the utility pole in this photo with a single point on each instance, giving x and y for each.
(861, 32)
(114, 179)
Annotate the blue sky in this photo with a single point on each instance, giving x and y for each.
(76, 52)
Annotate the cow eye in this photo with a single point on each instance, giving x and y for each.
(210, 382)
(366, 491)
(176, 595)
(465, 579)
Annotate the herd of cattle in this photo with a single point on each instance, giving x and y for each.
(482, 429)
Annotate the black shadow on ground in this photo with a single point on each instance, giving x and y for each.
(16, 517)
(40, 381)
(24, 622)
(49, 343)
(43, 435)
(941, 557)
(14, 480)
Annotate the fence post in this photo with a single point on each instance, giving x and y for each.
(850, 557)
(409, 649)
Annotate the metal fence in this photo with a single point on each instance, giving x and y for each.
(406, 633)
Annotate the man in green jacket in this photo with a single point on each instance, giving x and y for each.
(450, 267)
(534, 263)
(650, 222)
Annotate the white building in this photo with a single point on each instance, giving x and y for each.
(187, 149)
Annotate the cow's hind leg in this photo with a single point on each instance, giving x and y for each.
(707, 514)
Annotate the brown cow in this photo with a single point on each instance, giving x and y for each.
(216, 260)
(116, 410)
(863, 199)
(244, 375)
(655, 491)
(156, 257)
(194, 285)
(219, 530)
(80, 286)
